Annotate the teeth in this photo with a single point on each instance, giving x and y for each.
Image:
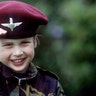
(17, 60)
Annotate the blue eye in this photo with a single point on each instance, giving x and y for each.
(25, 43)
(9, 45)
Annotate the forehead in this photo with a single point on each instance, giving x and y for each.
(15, 40)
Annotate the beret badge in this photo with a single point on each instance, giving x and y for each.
(21, 20)
(11, 25)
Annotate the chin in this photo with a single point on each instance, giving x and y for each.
(20, 69)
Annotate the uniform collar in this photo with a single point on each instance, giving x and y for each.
(30, 73)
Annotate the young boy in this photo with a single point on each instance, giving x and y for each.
(18, 75)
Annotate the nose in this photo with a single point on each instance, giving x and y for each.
(17, 51)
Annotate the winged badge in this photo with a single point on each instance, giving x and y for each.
(11, 25)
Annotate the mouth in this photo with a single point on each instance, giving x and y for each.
(18, 62)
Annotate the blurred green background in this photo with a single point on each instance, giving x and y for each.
(67, 45)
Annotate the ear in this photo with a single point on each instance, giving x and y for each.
(35, 41)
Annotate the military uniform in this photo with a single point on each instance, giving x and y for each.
(21, 20)
(35, 82)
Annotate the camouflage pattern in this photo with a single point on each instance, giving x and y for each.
(35, 82)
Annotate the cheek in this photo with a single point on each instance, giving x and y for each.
(29, 51)
(4, 55)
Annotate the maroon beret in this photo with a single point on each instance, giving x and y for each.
(19, 19)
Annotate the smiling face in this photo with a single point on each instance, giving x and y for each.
(17, 53)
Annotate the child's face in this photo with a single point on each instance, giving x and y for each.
(17, 53)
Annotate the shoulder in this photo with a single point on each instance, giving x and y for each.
(47, 73)
(50, 80)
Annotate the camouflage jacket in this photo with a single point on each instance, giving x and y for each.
(35, 82)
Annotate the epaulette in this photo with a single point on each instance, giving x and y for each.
(49, 73)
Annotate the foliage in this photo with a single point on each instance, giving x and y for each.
(68, 43)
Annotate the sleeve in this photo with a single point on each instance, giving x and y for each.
(60, 91)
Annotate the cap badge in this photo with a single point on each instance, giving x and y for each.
(11, 25)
